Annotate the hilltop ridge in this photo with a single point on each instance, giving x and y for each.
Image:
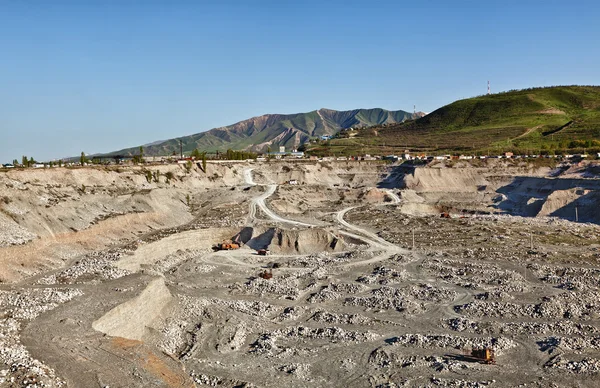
(548, 118)
(273, 130)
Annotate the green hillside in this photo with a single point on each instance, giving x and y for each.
(271, 131)
(536, 120)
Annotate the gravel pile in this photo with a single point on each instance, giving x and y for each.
(18, 307)
(437, 382)
(570, 278)
(385, 298)
(333, 334)
(169, 262)
(384, 275)
(451, 341)
(266, 344)
(563, 306)
(430, 293)
(571, 344)
(29, 303)
(202, 380)
(336, 291)
(285, 286)
(255, 308)
(340, 319)
(586, 365)
(321, 259)
(94, 267)
(521, 328)
(299, 371)
(173, 336)
(485, 274)
(12, 233)
(291, 313)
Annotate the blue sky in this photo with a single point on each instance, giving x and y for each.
(97, 76)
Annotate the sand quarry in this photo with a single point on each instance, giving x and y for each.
(108, 279)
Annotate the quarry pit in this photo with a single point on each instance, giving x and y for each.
(110, 279)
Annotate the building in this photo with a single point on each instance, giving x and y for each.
(282, 149)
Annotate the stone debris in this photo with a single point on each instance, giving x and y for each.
(340, 319)
(256, 307)
(386, 298)
(586, 365)
(18, 308)
(335, 291)
(569, 305)
(285, 287)
(92, 268)
(499, 344)
(299, 371)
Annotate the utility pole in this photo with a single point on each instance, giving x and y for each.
(180, 149)
(531, 240)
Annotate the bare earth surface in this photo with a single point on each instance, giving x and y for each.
(108, 278)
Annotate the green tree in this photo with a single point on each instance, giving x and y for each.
(203, 156)
(24, 161)
(168, 176)
(60, 162)
(156, 176)
(31, 161)
(149, 176)
(195, 154)
(82, 158)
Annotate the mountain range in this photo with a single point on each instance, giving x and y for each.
(273, 130)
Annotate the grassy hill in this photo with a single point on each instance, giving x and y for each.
(272, 130)
(536, 120)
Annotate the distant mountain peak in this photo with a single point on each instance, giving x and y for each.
(273, 130)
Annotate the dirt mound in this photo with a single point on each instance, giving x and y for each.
(324, 173)
(282, 241)
(131, 319)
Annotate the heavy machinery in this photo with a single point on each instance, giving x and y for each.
(484, 355)
(226, 246)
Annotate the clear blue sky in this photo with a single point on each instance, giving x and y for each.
(97, 76)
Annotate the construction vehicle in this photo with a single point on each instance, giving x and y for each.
(226, 246)
(484, 355)
(266, 275)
